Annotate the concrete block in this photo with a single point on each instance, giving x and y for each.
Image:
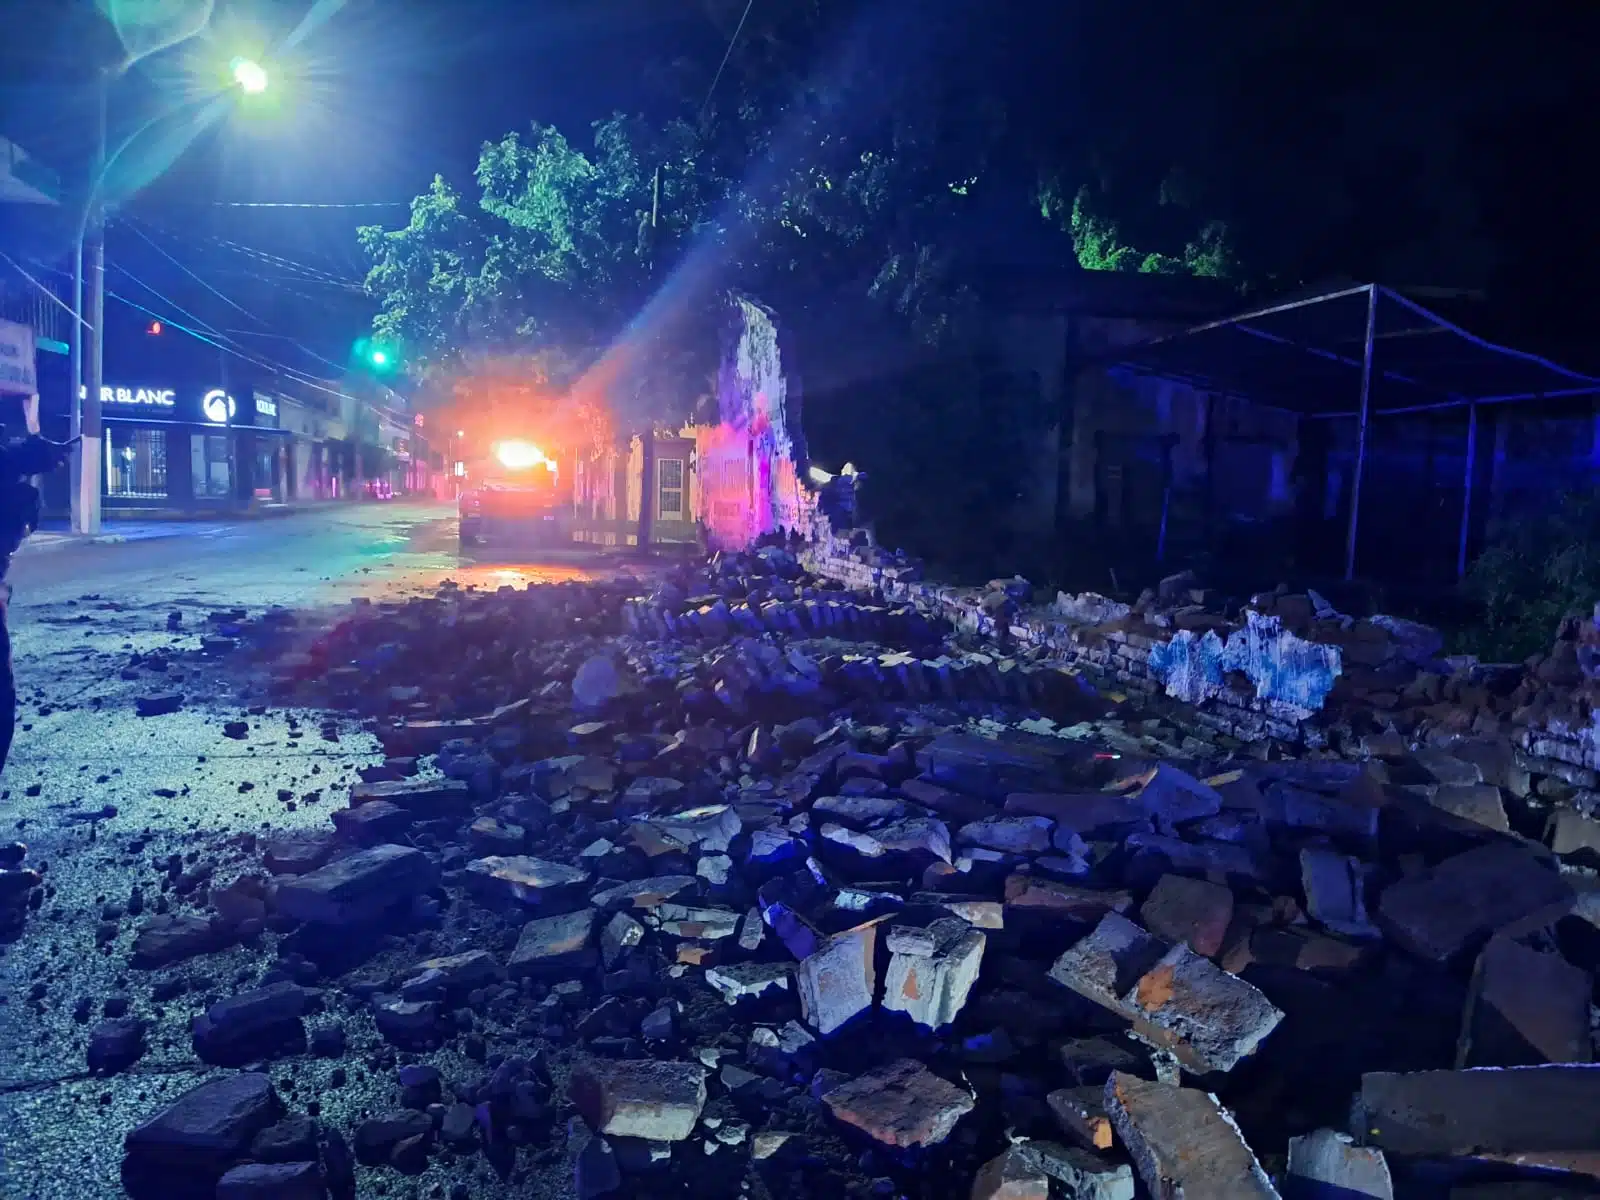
(359, 888)
(1183, 1143)
(1335, 889)
(839, 979)
(1206, 1016)
(1012, 834)
(1525, 1007)
(1440, 912)
(1193, 911)
(1105, 964)
(1531, 1116)
(1328, 1163)
(931, 971)
(523, 879)
(548, 941)
(901, 1104)
(1047, 897)
(1171, 796)
(748, 981)
(1081, 1113)
(1013, 1174)
(1479, 803)
(643, 1098)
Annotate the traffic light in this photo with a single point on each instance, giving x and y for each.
(154, 328)
(381, 358)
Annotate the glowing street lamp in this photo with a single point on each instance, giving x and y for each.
(251, 76)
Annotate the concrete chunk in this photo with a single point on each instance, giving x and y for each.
(195, 1139)
(1047, 897)
(1440, 912)
(901, 1104)
(1183, 1143)
(1209, 1018)
(1479, 803)
(1329, 1163)
(1013, 1174)
(930, 976)
(359, 888)
(1104, 965)
(643, 1098)
(1081, 1113)
(1335, 887)
(1084, 812)
(1525, 1007)
(1017, 834)
(523, 879)
(547, 941)
(1172, 796)
(1083, 1174)
(1194, 911)
(422, 797)
(747, 981)
(839, 979)
(1530, 1116)
(1175, 998)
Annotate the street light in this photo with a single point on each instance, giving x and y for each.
(251, 76)
(88, 345)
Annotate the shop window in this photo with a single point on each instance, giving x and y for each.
(266, 480)
(136, 463)
(670, 489)
(209, 455)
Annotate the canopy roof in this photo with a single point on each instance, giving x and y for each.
(1306, 355)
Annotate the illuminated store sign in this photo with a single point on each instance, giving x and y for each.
(218, 406)
(159, 397)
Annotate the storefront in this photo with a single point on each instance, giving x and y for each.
(189, 447)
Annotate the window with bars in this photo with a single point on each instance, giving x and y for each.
(669, 475)
(136, 463)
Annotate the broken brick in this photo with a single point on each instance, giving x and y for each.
(1194, 911)
(901, 1104)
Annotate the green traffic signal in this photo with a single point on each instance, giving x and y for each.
(377, 356)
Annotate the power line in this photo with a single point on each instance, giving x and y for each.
(726, 55)
(220, 295)
(272, 365)
(307, 204)
(67, 308)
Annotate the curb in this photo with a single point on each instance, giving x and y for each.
(71, 539)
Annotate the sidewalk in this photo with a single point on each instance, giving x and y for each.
(135, 525)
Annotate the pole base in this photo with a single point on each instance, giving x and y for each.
(86, 487)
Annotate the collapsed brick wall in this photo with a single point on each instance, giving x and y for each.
(1257, 683)
(748, 463)
(1361, 688)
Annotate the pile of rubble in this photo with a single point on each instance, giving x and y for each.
(671, 892)
(1282, 669)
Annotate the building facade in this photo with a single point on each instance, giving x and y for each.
(189, 445)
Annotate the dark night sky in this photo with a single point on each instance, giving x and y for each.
(378, 95)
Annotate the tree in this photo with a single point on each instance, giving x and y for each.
(585, 255)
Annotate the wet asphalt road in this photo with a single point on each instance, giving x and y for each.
(79, 614)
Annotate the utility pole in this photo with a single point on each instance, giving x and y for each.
(647, 461)
(89, 375)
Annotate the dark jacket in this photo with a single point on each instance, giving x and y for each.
(19, 498)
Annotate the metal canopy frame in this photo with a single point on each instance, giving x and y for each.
(1312, 355)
